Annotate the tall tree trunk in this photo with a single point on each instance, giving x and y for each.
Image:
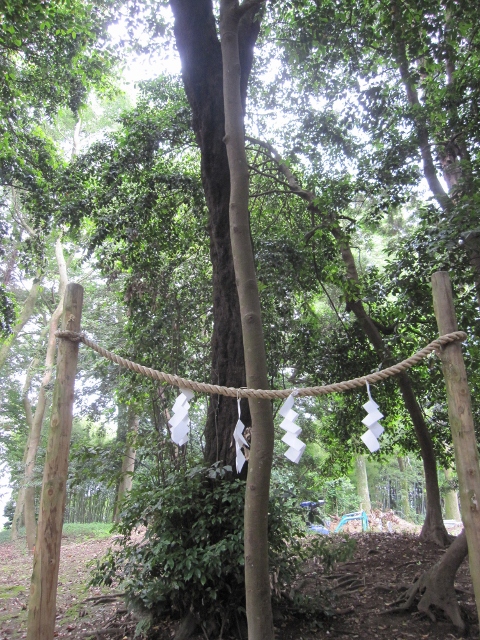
(25, 315)
(20, 501)
(40, 409)
(452, 511)
(433, 527)
(362, 483)
(257, 580)
(128, 461)
(200, 53)
(405, 493)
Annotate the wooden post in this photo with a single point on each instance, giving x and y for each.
(461, 424)
(46, 559)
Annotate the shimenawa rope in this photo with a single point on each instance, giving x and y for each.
(202, 387)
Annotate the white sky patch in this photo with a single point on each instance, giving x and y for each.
(144, 67)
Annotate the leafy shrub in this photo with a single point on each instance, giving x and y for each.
(9, 512)
(191, 555)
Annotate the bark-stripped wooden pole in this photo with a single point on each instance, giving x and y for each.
(46, 560)
(461, 424)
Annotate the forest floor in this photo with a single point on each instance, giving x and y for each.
(357, 594)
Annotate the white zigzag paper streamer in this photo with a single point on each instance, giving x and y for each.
(295, 446)
(239, 440)
(180, 422)
(372, 421)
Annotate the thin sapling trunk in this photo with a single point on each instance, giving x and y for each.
(257, 581)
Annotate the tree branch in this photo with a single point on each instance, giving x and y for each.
(266, 175)
(247, 5)
(309, 235)
(308, 196)
(270, 192)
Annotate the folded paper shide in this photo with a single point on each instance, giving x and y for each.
(372, 421)
(295, 446)
(239, 440)
(180, 422)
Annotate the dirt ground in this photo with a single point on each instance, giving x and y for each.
(362, 590)
(76, 615)
(367, 585)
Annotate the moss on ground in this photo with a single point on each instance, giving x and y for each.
(11, 591)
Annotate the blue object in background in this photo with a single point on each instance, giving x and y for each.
(312, 505)
(322, 527)
(359, 515)
(319, 528)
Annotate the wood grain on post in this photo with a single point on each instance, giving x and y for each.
(46, 560)
(461, 424)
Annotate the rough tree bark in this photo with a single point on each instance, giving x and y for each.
(433, 527)
(257, 579)
(200, 52)
(362, 483)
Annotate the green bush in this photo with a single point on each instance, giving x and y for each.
(191, 556)
(9, 512)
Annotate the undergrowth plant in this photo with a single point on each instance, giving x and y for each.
(190, 556)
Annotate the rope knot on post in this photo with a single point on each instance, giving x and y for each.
(73, 336)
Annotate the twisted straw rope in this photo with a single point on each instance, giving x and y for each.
(202, 387)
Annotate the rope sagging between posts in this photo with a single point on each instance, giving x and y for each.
(265, 394)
